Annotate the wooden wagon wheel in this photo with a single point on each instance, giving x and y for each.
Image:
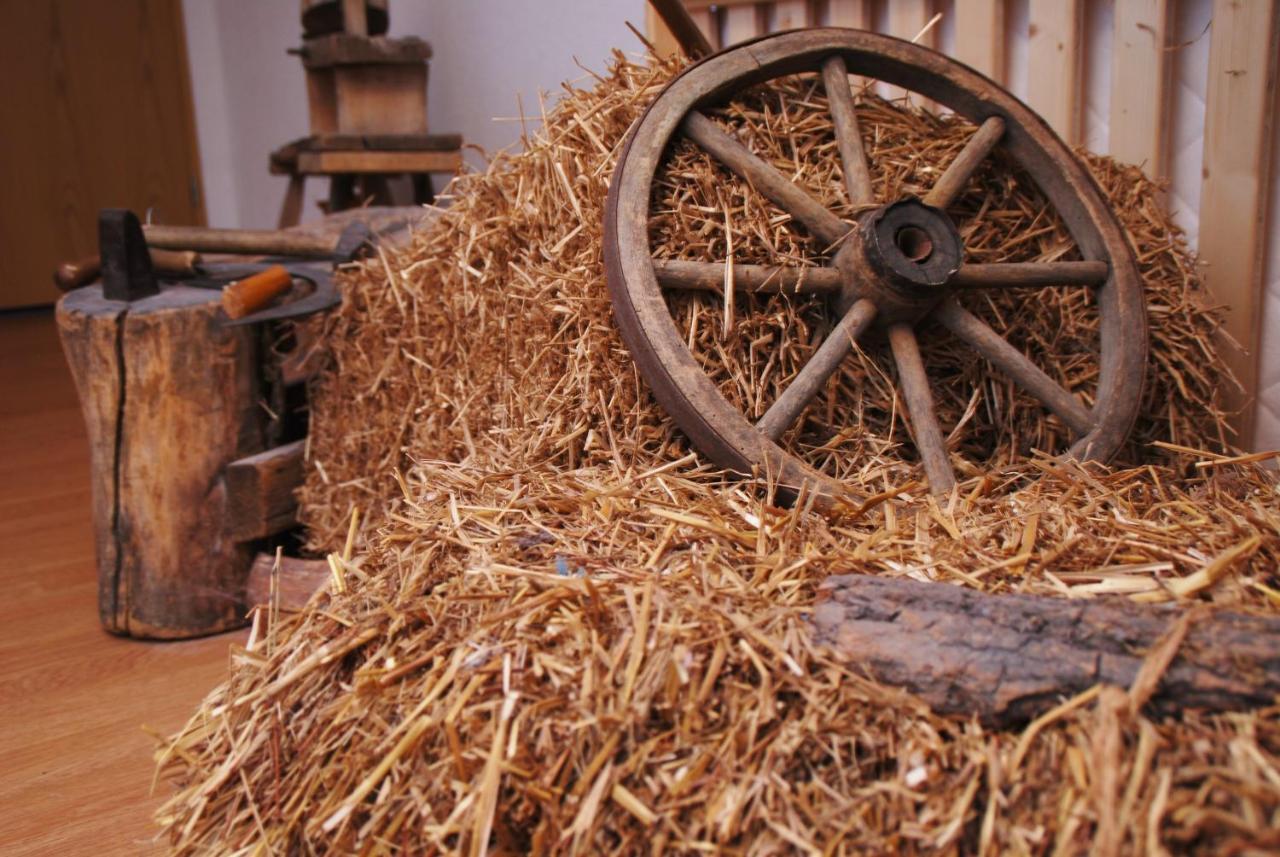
(898, 263)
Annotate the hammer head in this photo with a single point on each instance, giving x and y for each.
(126, 262)
(355, 241)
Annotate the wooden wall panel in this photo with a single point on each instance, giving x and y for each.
(849, 13)
(742, 22)
(1053, 63)
(980, 36)
(907, 18)
(1239, 125)
(1140, 77)
(790, 14)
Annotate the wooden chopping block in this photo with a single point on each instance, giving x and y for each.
(170, 396)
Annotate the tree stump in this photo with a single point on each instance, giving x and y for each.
(170, 396)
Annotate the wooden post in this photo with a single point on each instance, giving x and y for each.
(169, 396)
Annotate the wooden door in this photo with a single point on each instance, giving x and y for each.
(96, 111)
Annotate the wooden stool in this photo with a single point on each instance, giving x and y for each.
(369, 160)
(367, 99)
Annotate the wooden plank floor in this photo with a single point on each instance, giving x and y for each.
(75, 764)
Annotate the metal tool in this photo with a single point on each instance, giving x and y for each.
(128, 275)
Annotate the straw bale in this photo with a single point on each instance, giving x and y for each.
(552, 627)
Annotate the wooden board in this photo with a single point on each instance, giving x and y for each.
(105, 111)
(790, 14)
(907, 19)
(1140, 84)
(980, 36)
(1053, 64)
(1239, 125)
(849, 13)
(379, 162)
(741, 23)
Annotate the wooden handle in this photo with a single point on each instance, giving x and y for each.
(250, 242)
(75, 275)
(253, 293)
(70, 276)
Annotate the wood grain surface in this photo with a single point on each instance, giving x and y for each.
(97, 113)
(75, 763)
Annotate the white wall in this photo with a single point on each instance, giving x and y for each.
(250, 96)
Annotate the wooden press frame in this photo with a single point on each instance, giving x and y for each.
(1244, 53)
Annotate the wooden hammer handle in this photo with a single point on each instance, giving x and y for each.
(75, 275)
(253, 293)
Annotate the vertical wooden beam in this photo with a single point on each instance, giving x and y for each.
(980, 36)
(906, 19)
(1053, 63)
(664, 43)
(1140, 75)
(849, 13)
(1243, 52)
(741, 22)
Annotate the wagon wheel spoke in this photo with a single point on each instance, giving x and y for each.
(857, 176)
(1013, 275)
(764, 279)
(783, 412)
(919, 401)
(1015, 364)
(775, 187)
(957, 174)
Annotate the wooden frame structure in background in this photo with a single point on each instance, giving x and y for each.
(1244, 53)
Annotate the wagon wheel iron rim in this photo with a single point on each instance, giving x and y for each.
(895, 264)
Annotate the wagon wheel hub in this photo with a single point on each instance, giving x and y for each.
(900, 256)
(899, 263)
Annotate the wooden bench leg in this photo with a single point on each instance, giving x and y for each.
(291, 210)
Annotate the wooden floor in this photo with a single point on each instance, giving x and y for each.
(75, 764)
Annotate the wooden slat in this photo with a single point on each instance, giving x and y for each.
(741, 23)
(260, 489)
(664, 44)
(708, 24)
(1140, 73)
(1243, 51)
(906, 19)
(1053, 64)
(790, 14)
(849, 13)
(980, 36)
(313, 163)
(296, 581)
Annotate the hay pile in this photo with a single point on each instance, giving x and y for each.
(552, 628)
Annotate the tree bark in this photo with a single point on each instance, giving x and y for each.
(1008, 658)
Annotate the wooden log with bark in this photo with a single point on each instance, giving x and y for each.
(1008, 658)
